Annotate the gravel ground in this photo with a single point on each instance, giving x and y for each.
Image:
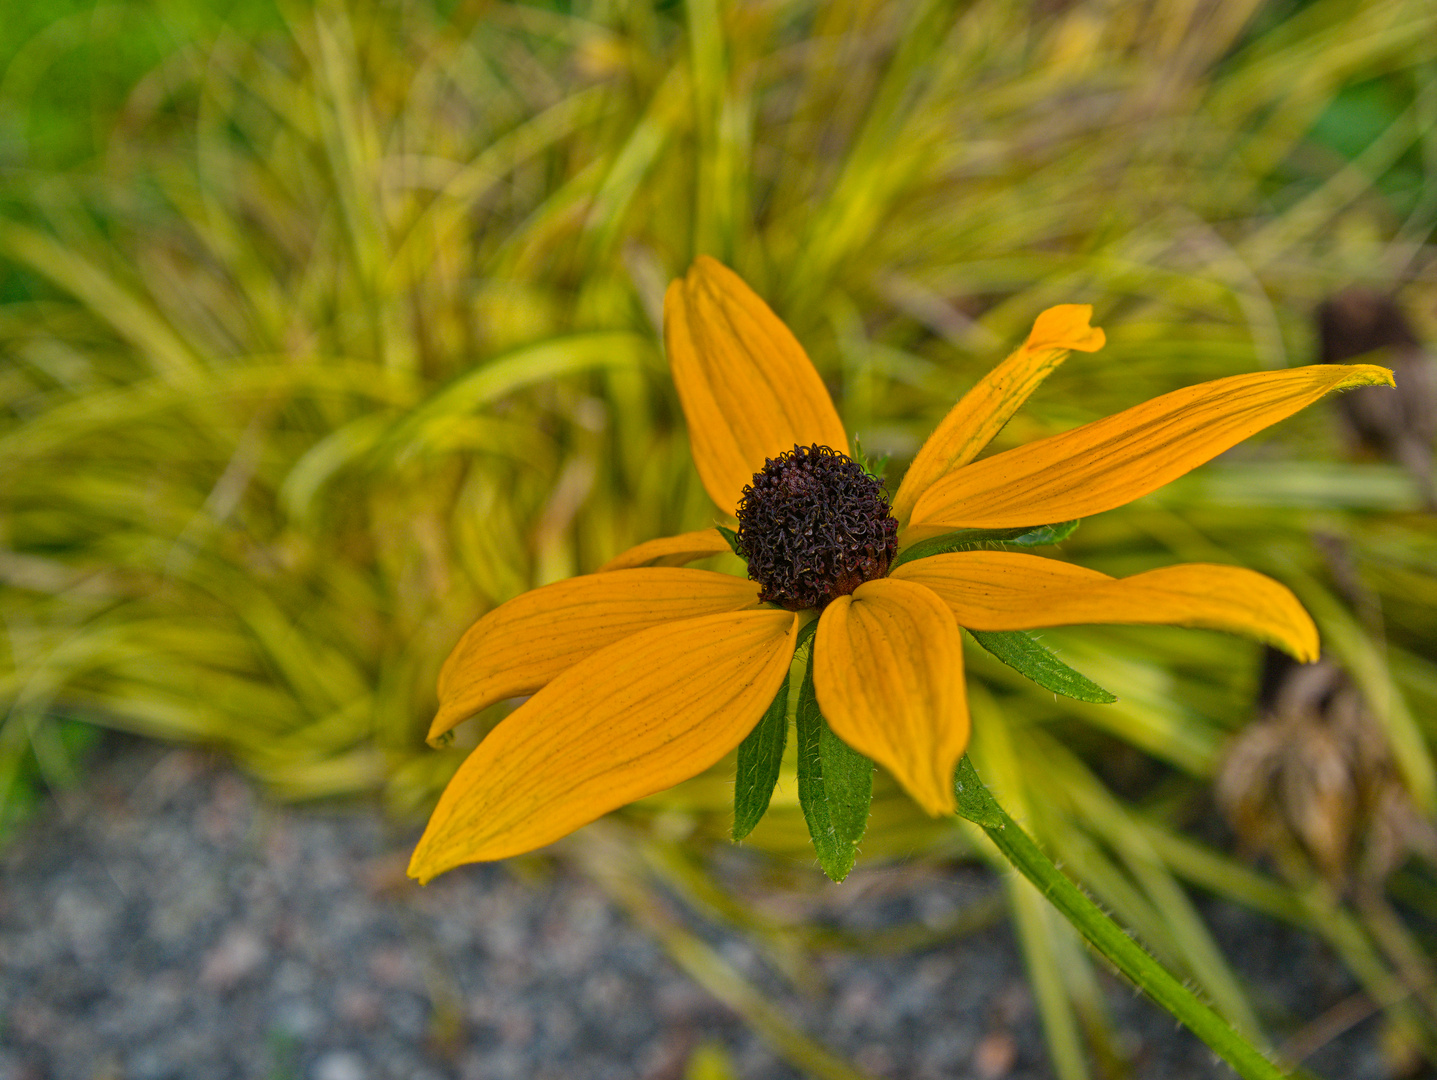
(168, 923)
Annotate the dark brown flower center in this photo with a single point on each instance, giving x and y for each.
(813, 525)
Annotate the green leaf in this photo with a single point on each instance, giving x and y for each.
(974, 800)
(971, 539)
(1046, 534)
(732, 538)
(835, 787)
(1021, 652)
(875, 466)
(759, 757)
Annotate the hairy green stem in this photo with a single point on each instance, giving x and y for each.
(977, 804)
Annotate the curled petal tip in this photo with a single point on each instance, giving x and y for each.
(1066, 326)
(1365, 375)
(982, 412)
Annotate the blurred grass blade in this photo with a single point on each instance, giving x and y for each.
(131, 317)
(532, 364)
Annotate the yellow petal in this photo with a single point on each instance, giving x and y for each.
(981, 413)
(1112, 461)
(888, 674)
(522, 644)
(632, 719)
(670, 550)
(747, 388)
(1006, 590)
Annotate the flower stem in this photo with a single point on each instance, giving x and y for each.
(977, 804)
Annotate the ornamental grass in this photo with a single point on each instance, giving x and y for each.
(320, 341)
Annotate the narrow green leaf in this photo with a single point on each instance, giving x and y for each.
(970, 539)
(1046, 534)
(835, 787)
(958, 540)
(874, 466)
(975, 802)
(759, 757)
(1021, 652)
(732, 538)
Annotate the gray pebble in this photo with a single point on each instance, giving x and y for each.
(340, 1065)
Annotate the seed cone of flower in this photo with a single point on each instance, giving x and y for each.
(812, 526)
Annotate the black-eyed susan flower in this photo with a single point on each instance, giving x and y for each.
(647, 672)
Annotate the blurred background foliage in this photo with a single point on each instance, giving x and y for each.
(326, 327)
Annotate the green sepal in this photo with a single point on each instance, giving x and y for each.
(973, 539)
(732, 538)
(759, 757)
(1021, 652)
(835, 786)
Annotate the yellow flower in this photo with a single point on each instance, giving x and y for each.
(646, 673)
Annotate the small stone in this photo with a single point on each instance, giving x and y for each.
(361, 1008)
(339, 1065)
(875, 1059)
(296, 1018)
(238, 954)
(393, 966)
(995, 1055)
